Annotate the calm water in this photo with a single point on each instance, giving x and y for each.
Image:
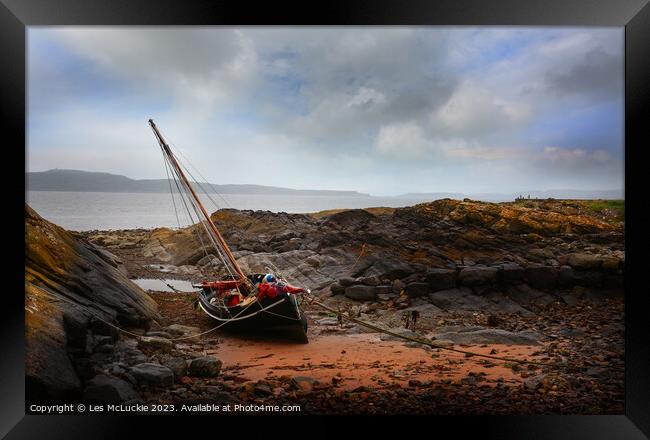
(82, 211)
(162, 285)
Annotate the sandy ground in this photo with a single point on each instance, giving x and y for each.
(352, 361)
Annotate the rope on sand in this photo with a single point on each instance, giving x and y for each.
(432, 344)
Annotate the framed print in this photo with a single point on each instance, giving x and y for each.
(426, 209)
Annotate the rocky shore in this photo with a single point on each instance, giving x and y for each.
(535, 279)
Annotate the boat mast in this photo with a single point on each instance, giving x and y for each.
(215, 232)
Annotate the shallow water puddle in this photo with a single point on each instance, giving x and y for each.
(363, 360)
(159, 285)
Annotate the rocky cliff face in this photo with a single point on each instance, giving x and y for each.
(69, 284)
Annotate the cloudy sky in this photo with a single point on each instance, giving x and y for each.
(379, 110)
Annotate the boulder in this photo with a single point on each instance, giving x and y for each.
(109, 389)
(206, 366)
(127, 353)
(568, 277)
(414, 290)
(370, 281)
(347, 281)
(511, 272)
(178, 330)
(440, 279)
(611, 264)
(541, 277)
(384, 290)
(337, 289)
(151, 374)
(304, 383)
(361, 293)
(155, 343)
(583, 261)
(477, 276)
(177, 365)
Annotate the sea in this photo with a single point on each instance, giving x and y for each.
(85, 211)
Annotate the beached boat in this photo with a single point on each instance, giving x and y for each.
(258, 303)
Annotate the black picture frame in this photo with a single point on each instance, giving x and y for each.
(634, 15)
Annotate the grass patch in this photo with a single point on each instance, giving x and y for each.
(602, 206)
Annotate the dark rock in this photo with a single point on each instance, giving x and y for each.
(361, 293)
(386, 266)
(304, 383)
(482, 335)
(440, 279)
(159, 334)
(177, 365)
(398, 286)
(155, 343)
(206, 366)
(101, 327)
(583, 261)
(511, 272)
(350, 218)
(61, 263)
(75, 324)
(347, 281)
(370, 281)
(613, 281)
(423, 309)
(477, 276)
(337, 289)
(541, 277)
(524, 294)
(533, 382)
(177, 330)
(568, 277)
(151, 374)
(129, 354)
(384, 290)
(109, 389)
(104, 348)
(415, 290)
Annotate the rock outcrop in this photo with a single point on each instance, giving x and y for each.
(365, 254)
(72, 288)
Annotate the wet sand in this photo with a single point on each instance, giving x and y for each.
(352, 361)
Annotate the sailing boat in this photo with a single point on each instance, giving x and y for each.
(251, 302)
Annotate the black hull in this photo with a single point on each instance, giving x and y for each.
(279, 316)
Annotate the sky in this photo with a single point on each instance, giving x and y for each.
(380, 110)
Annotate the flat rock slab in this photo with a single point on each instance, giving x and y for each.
(361, 293)
(153, 375)
(206, 366)
(155, 343)
(479, 335)
(109, 389)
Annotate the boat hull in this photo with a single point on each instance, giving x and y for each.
(279, 316)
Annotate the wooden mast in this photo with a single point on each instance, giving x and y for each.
(213, 228)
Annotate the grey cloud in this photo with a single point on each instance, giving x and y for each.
(599, 75)
(316, 94)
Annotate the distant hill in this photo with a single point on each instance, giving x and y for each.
(86, 181)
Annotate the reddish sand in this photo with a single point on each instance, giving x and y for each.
(362, 360)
